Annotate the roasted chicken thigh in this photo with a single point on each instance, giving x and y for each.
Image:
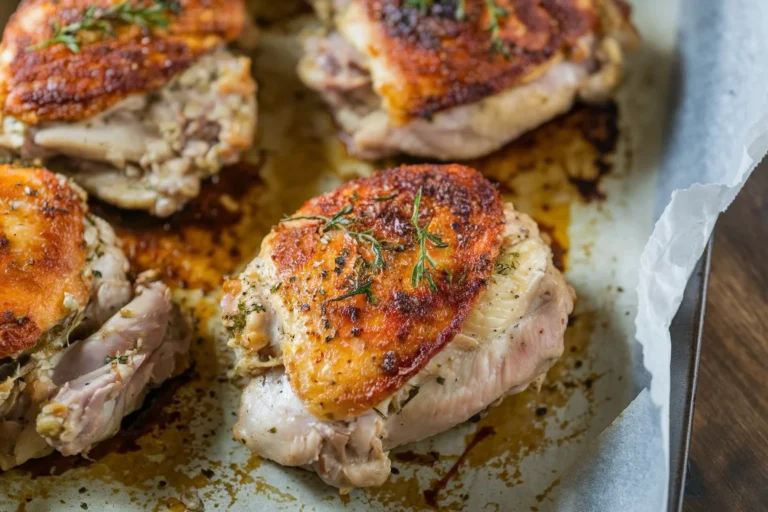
(386, 312)
(79, 343)
(142, 98)
(452, 79)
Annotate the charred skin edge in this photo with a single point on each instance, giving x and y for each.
(32, 312)
(55, 84)
(408, 325)
(439, 62)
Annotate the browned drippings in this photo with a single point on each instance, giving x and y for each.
(601, 130)
(560, 163)
(431, 494)
(208, 239)
(423, 459)
(543, 173)
(154, 412)
(540, 497)
(559, 251)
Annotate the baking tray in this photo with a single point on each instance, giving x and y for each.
(686, 336)
(687, 330)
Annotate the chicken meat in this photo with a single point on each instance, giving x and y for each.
(79, 343)
(386, 312)
(457, 80)
(141, 111)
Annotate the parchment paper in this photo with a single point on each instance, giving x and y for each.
(690, 113)
(717, 135)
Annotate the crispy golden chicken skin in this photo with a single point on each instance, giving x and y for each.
(428, 63)
(42, 255)
(364, 322)
(57, 84)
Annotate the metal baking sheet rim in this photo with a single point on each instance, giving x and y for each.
(686, 331)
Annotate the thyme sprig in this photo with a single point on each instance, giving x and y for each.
(495, 13)
(506, 263)
(421, 270)
(341, 222)
(103, 20)
(412, 393)
(363, 289)
(497, 43)
(461, 10)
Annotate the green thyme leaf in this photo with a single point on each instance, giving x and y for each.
(461, 10)
(386, 198)
(421, 5)
(421, 269)
(363, 289)
(103, 20)
(494, 14)
(340, 221)
(411, 395)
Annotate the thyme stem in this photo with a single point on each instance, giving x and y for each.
(340, 221)
(103, 20)
(363, 289)
(421, 270)
(494, 13)
(497, 43)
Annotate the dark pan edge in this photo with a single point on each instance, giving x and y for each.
(686, 332)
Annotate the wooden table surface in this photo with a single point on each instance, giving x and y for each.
(728, 464)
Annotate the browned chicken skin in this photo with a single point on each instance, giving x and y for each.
(56, 84)
(42, 247)
(399, 325)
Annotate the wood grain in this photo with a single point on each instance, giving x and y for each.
(728, 464)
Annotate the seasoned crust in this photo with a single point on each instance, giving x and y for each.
(55, 84)
(427, 63)
(358, 351)
(42, 255)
